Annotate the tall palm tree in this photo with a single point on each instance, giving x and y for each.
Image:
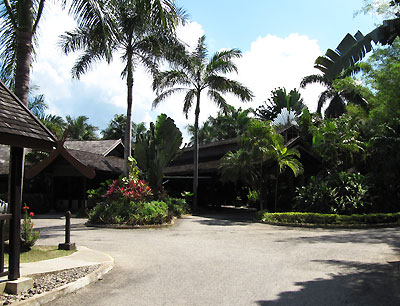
(194, 73)
(338, 98)
(140, 29)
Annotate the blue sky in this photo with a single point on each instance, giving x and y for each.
(279, 40)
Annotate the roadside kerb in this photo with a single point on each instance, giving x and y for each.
(49, 296)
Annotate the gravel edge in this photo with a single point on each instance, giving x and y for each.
(49, 296)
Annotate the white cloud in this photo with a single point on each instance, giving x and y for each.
(270, 62)
(275, 62)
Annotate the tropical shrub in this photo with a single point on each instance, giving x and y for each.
(176, 206)
(127, 189)
(337, 193)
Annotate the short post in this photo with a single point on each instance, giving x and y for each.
(67, 245)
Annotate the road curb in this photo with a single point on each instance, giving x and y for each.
(49, 296)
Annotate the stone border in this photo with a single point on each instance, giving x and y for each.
(334, 226)
(49, 296)
(117, 226)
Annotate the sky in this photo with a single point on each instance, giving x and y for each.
(279, 40)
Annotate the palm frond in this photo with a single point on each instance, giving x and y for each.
(161, 97)
(221, 62)
(225, 85)
(218, 99)
(315, 78)
(325, 95)
(170, 78)
(188, 101)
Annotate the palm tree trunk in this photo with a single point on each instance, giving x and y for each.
(23, 65)
(196, 154)
(128, 128)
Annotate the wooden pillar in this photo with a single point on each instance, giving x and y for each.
(69, 192)
(15, 185)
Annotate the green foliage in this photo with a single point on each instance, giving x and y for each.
(129, 213)
(116, 128)
(280, 100)
(28, 235)
(340, 193)
(80, 129)
(176, 206)
(155, 149)
(228, 124)
(327, 219)
(338, 143)
(253, 196)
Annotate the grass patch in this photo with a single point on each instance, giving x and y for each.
(328, 219)
(41, 252)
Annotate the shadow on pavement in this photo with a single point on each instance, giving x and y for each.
(227, 216)
(389, 236)
(369, 284)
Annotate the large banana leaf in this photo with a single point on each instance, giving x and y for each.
(353, 48)
(155, 149)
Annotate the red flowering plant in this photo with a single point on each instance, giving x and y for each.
(136, 190)
(28, 234)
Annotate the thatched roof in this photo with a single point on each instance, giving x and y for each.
(19, 127)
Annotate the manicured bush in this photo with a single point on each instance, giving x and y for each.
(327, 219)
(129, 213)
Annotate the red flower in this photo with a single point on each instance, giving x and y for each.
(31, 214)
(25, 207)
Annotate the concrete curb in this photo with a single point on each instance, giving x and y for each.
(49, 296)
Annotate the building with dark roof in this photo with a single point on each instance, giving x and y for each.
(73, 168)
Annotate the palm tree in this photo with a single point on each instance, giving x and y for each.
(283, 157)
(79, 129)
(140, 29)
(278, 101)
(194, 73)
(18, 33)
(338, 98)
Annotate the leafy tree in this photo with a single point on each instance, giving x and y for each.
(156, 148)
(226, 125)
(139, 29)
(339, 143)
(80, 129)
(116, 128)
(55, 124)
(279, 101)
(194, 73)
(381, 73)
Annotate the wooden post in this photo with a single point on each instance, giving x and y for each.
(67, 245)
(15, 185)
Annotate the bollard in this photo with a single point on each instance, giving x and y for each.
(67, 245)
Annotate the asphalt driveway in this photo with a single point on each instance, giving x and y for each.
(226, 259)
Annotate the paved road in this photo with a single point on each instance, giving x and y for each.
(227, 260)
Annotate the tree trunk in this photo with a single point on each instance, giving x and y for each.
(276, 188)
(22, 73)
(128, 128)
(196, 154)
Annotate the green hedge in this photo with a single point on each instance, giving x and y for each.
(327, 219)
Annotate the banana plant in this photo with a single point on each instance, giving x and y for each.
(156, 148)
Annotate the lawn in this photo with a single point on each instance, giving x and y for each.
(41, 252)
